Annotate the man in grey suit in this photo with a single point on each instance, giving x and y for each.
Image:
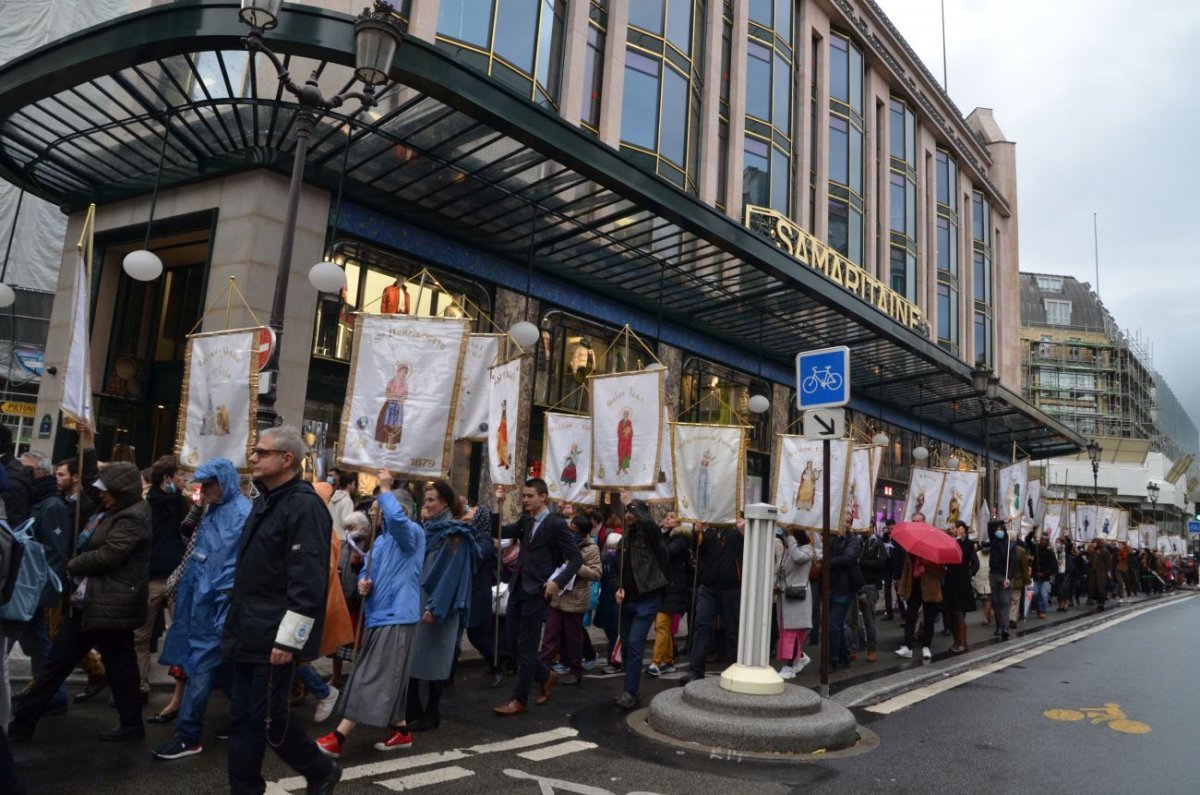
(546, 544)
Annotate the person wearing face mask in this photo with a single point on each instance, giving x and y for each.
(1001, 563)
(168, 508)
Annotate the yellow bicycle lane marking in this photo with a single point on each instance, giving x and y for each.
(1110, 715)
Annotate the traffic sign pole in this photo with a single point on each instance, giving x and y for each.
(826, 574)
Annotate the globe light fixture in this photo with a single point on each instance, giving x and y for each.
(952, 462)
(524, 333)
(142, 265)
(260, 14)
(920, 453)
(376, 39)
(7, 296)
(881, 439)
(759, 403)
(327, 277)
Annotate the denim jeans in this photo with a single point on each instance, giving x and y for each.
(636, 620)
(839, 608)
(189, 726)
(1041, 596)
(313, 681)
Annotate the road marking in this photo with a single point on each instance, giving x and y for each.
(1110, 715)
(551, 786)
(949, 683)
(552, 751)
(397, 764)
(442, 774)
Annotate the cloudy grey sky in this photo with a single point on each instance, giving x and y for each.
(1100, 98)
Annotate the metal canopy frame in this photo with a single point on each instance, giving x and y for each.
(451, 150)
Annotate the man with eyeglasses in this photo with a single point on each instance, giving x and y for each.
(275, 616)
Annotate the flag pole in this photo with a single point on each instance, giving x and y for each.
(85, 247)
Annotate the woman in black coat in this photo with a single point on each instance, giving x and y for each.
(958, 594)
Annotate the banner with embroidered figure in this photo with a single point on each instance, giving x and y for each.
(664, 489)
(860, 490)
(219, 398)
(1014, 488)
(567, 458)
(504, 398)
(470, 420)
(626, 429)
(709, 469)
(924, 492)
(957, 499)
(799, 488)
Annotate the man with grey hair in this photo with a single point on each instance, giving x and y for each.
(275, 616)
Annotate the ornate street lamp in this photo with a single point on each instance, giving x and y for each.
(1152, 492)
(377, 36)
(1093, 451)
(986, 384)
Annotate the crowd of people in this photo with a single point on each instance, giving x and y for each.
(239, 583)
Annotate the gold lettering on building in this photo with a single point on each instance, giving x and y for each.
(811, 252)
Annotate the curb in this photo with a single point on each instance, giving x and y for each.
(875, 691)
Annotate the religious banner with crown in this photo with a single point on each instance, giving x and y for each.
(219, 398)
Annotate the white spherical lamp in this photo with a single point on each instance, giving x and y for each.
(952, 462)
(880, 439)
(143, 265)
(920, 453)
(759, 403)
(654, 366)
(7, 296)
(524, 334)
(326, 277)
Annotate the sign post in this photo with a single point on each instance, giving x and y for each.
(822, 386)
(1194, 528)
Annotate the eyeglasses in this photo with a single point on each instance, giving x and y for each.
(262, 452)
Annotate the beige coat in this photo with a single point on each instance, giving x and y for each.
(579, 598)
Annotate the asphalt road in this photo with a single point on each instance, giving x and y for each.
(987, 735)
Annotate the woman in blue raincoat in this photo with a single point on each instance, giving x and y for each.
(202, 601)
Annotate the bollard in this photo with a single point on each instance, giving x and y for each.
(752, 673)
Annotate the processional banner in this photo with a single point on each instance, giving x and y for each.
(470, 419)
(1051, 523)
(1134, 537)
(1014, 488)
(1123, 526)
(709, 469)
(664, 489)
(1085, 522)
(1108, 519)
(860, 488)
(220, 398)
(957, 499)
(567, 458)
(799, 484)
(626, 429)
(504, 398)
(1148, 536)
(924, 492)
(403, 393)
(1033, 503)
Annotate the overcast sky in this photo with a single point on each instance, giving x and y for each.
(1100, 97)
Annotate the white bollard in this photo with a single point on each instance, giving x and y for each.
(752, 673)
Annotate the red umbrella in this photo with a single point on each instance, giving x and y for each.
(927, 542)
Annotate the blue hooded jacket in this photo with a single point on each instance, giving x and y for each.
(202, 601)
(395, 568)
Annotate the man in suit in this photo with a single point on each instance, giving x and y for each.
(546, 544)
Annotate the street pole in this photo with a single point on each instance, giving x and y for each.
(987, 458)
(826, 574)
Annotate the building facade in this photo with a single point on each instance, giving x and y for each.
(584, 165)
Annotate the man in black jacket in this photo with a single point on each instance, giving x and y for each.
(168, 509)
(20, 489)
(719, 557)
(546, 545)
(275, 616)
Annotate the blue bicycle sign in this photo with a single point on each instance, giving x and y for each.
(823, 378)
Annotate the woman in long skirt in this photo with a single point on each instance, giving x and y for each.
(377, 691)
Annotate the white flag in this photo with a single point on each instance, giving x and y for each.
(77, 378)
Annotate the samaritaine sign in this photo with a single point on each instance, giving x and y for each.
(808, 250)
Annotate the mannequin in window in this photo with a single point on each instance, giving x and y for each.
(395, 299)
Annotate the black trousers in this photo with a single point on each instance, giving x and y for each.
(931, 610)
(526, 615)
(710, 603)
(71, 645)
(249, 729)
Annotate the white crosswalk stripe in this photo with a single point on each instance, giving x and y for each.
(552, 751)
(437, 776)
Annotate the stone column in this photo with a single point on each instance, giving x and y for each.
(752, 672)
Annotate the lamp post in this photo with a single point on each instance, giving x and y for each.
(1152, 492)
(1093, 451)
(986, 384)
(377, 36)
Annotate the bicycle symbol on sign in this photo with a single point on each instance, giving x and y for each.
(1109, 715)
(822, 378)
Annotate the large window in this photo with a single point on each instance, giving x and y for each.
(660, 114)
(593, 64)
(1058, 313)
(573, 348)
(947, 250)
(518, 42)
(767, 169)
(846, 147)
(902, 198)
(981, 258)
(710, 393)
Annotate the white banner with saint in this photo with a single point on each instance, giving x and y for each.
(924, 490)
(567, 458)
(1164, 545)
(403, 393)
(1014, 487)
(1123, 526)
(1134, 538)
(1149, 536)
(1050, 524)
(1085, 522)
(799, 484)
(1033, 503)
(709, 468)
(1107, 521)
(471, 417)
(504, 396)
(626, 429)
(860, 488)
(957, 499)
(664, 489)
(220, 398)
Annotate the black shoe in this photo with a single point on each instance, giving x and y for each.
(425, 723)
(122, 733)
(685, 679)
(570, 679)
(627, 701)
(223, 733)
(1003, 636)
(325, 786)
(497, 678)
(162, 717)
(91, 690)
(56, 708)
(612, 668)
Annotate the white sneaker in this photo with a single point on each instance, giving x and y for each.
(904, 652)
(798, 665)
(786, 672)
(926, 654)
(325, 706)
